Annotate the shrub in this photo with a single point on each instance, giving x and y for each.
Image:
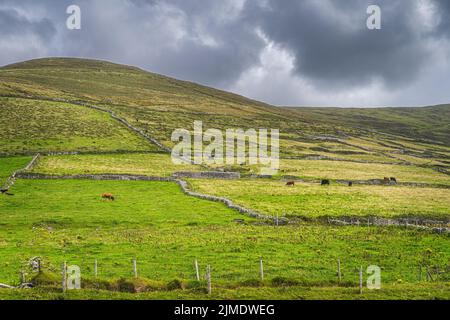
(251, 283)
(283, 282)
(45, 278)
(175, 284)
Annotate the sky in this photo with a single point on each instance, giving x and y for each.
(283, 52)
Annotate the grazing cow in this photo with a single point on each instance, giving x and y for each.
(108, 196)
(290, 183)
(350, 183)
(325, 182)
(393, 179)
(386, 180)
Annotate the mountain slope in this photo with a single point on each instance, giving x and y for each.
(100, 81)
(158, 104)
(427, 123)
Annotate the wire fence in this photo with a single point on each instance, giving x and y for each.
(237, 272)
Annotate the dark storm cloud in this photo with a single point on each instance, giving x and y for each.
(443, 7)
(218, 46)
(238, 43)
(332, 45)
(13, 24)
(23, 37)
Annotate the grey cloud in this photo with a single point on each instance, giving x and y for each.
(23, 38)
(12, 24)
(443, 8)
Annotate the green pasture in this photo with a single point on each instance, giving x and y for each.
(11, 164)
(151, 164)
(311, 200)
(29, 126)
(165, 230)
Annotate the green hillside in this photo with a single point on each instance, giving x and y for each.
(160, 104)
(430, 124)
(96, 123)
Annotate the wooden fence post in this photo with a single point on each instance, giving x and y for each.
(420, 272)
(135, 268)
(208, 278)
(360, 280)
(261, 269)
(64, 276)
(428, 273)
(95, 268)
(197, 274)
(339, 271)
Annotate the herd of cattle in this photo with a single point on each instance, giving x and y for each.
(326, 182)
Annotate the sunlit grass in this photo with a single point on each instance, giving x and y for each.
(311, 200)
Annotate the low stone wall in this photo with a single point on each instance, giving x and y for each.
(439, 227)
(125, 177)
(251, 213)
(207, 175)
(380, 182)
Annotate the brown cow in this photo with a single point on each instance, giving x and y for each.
(290, 183)
(386, 180)
(108, 196)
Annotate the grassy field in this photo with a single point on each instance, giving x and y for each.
(151, 164)
(311, 200)
(9, 165)
(166, 230)
(40, 126)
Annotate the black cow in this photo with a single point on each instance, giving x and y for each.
(325, 182)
